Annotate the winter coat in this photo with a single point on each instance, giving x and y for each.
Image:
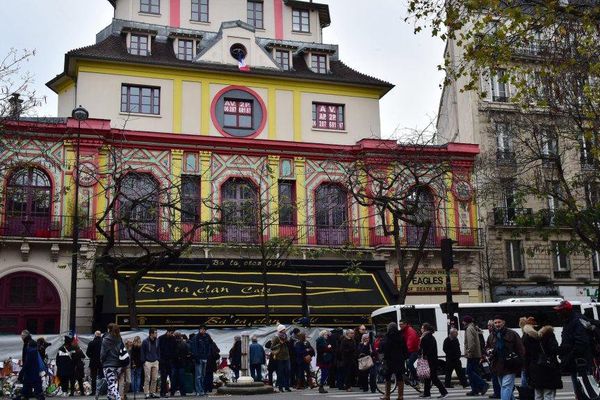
(575, 344)
(279, 348)
(32, 364)
(201, 347)
(65, 366)
(93, 352)
(150, 350)
(109, 353)
(78, 365)
(540, 345)
(412, 339)
(472, 341)
(235, 355)
(512, 344)
(181, 354)
(257, 354)
(395, 352)
(213, 356)
(347, 350)
(166, 348)
(324, 353)
(429, 351)
(451, 348)
(301, 350)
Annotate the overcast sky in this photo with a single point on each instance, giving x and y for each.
(373, 39)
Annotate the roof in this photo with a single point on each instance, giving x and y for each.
(114, 49)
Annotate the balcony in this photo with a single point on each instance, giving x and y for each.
(562, 274)
(505, 157)
(463, 237)
(500, 99)
(515, 274)
(510, 216)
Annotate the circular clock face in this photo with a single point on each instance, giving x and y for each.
(87, 174)
(463, 190)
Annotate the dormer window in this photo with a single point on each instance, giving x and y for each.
(282, 57)
(200, 10)
(139, 45)
(255, 13)
(150, 6)
(301, 21)
(185, 49)
(318, 63)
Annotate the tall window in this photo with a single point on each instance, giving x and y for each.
(300, 21)
(200, 10)
(287, 203)
(504, 141)
(150, 6)
(140, 99)
(421, 200)
(587, 145)
(560, 257)
(514, 258)
(23, 291)
(139, 206)
(331, 206)
(28, 196)
(318, 63)
(328, 116)
(185, 49)
(237, 114)
(499, 86)
(138, 45)
(592, 194)
(239, 205)
(282, 57)
(255, 13)
(190, 198)
(596, 263)
(549, 143)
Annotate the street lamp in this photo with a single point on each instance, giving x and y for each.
(79, 114)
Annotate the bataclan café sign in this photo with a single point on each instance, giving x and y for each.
(229, 293)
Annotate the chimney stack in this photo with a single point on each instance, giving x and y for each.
(16, 106)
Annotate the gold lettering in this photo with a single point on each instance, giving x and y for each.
(146, 288)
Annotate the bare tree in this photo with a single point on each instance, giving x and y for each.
(16, 96)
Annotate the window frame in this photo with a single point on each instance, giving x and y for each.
(318, 63)
(513, 246)
(150, 4)
(138, 50)
(596, 262)
(251, 14)
(557, 255)
(191, 49)
(504, 141)
(500, 90)
(280, 56)
(195, 198)
(300, 24)
(202, 16)
(316, 114)
(128, 104)
(291, 204)
(237, 114)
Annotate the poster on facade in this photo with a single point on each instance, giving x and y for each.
(430, 281)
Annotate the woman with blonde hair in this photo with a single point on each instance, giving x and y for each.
(137, 366)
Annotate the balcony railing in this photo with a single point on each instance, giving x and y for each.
(60, 227)
(509, 216)
(562, 274)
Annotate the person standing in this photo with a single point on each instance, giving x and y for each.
(429, 352)
(395, 353)
(451, 348)
(271, 365)
(324, 358)
(507, 356)
(235, 357)
(336, 378)
(365, 348)
(200, 347)
(137, 366)
(166, 352)
(473, 355)
(349, 359)
(33, 367)
(65, 367)
(257, 359)
(125, 371)
(109, 357)
(541, 362)
(488, 349)
(93, 353)
(281, 353)
(150, 356)
(304, 354)
(180, 359)
(211, 366)
(411, 337)
(78, 368)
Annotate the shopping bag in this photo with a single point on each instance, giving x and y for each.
(423, 371)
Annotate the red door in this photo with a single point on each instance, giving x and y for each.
(28, 301)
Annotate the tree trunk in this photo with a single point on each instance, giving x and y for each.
(400, 261)
(130, 290)
(403, 291)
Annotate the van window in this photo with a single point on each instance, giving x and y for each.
(543, 314)
(589, 312)
(381, 321)
(416, 317)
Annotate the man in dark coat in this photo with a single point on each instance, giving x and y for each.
(348, 360)
(453, 354)
(33, 366)
(541, 363)
(507, 350)
(65, 366)
(395, 354)
(166, 349)
(200, 348)
(93, 353)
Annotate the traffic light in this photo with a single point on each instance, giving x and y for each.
(447, 257)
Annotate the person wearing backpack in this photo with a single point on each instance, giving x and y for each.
(575, 348)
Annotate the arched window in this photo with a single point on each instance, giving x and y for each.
(28, 301)
(331, 207)
(422, 203)
(28, 195)
(139, 206)
(239, 211)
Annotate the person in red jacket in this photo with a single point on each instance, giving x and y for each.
(412, 343)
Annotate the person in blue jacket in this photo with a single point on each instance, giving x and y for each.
(33, 367)
(200, 348)
(257, 359)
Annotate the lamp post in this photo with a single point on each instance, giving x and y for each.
(80, 114)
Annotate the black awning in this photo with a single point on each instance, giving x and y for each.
(229, 292)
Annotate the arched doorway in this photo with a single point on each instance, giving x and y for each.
(28, 301)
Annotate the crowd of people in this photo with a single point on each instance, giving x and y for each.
(346, 359)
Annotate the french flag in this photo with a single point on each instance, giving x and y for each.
(242, 63)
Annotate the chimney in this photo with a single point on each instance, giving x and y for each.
(15, 106)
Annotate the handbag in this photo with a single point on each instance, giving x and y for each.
(513, 361)
(423, 371)
(365, 363)
(543, 359)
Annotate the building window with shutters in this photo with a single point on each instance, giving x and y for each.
(328, 116)
(200, 10)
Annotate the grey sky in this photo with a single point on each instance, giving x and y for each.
(372, 35)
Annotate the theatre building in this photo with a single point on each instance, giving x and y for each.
(241, 109)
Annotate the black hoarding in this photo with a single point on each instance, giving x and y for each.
(229, 292)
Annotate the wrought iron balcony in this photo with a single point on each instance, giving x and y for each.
(510, 216)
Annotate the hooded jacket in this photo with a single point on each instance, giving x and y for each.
(541, 364)
(109, 353)
(394, 350)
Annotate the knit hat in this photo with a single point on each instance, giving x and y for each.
(280, 328)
